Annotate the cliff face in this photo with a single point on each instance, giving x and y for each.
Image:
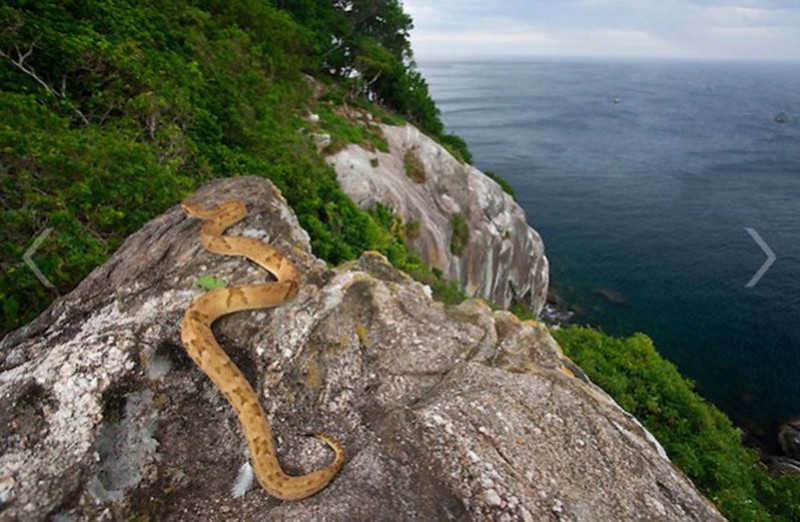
(502, 258)
(445, 413)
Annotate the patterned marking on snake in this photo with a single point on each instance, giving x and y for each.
(205, 351)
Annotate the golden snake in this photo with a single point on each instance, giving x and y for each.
(203, 348)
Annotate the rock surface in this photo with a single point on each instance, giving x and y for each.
(789, 438)
(503, 259)
(454, 413)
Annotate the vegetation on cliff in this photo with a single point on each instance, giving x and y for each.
(112, 111)
(698, 437)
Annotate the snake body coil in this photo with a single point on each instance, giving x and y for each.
(203, 348)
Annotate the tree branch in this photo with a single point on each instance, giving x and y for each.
(20, 64)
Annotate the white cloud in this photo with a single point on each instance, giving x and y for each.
(483, 38)
(734, 15)
(681, 28)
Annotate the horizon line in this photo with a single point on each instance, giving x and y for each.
(597, 57)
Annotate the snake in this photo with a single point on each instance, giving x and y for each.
(205, 351)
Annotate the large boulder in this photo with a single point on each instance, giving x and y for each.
(446, 413)
(437, 196)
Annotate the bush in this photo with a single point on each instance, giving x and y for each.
(344, 131)
(456, 146)
(460, 237)
(414, 167)
(505, 185)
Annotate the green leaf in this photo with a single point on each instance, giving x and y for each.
(209, 282)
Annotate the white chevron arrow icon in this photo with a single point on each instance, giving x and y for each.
(27, 257)
(768, 263)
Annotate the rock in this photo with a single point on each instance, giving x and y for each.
(445, 412)
(555, 315)
(611, 296)
(502, 259)
(789, 438)
(783, 465)
(322, 140)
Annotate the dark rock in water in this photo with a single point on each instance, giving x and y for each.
(555, 315)
(611, 296)
(783, 465)
(781, 118)
(789, 438)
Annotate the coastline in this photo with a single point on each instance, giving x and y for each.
(776, 449)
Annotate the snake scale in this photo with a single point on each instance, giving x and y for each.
(203, 348)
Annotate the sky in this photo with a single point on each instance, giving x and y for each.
(711, 29)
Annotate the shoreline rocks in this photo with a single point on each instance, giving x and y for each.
(789, 438)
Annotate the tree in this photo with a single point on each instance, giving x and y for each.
(367, 42)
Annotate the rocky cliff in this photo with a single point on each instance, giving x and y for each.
(501, 258)
(446, 413)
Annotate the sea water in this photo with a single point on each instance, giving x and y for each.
(642, 177)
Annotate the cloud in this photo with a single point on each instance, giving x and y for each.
(484, 38)
(680, 28)
(741, 16)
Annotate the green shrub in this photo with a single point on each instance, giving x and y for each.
(414, 167)
(698, 437)
(344, 131)
(456, 146)
(412, 230)
(460, 237)
(505, 185)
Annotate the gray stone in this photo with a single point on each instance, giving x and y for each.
(446, 413)
(322, 140)
(789, 438)
(504, 259)
(783, 465)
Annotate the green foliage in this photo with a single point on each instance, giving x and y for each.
(209, 282)
(414, 167)
(456, 146)
(346, 129)
(412, 229)
(460, 237)
(111, 112)
(505, 185)
(366, 43)
(391, 241)
(698, 437)
(443, 290)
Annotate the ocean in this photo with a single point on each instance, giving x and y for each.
(642, 177)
